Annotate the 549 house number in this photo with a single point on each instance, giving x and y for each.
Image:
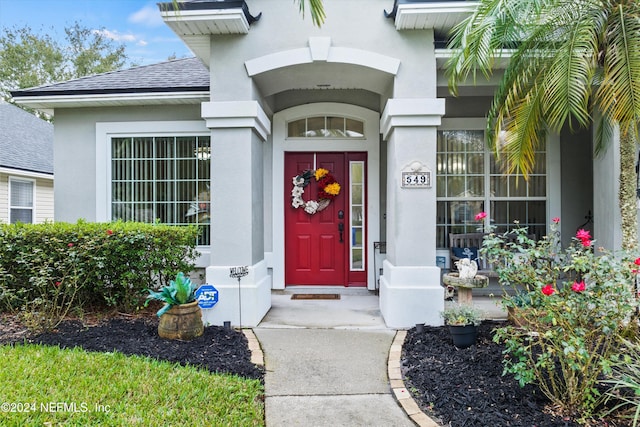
(415, 179)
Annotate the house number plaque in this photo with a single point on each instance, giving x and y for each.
(416, 175)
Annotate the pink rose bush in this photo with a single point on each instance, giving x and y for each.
(579, 305)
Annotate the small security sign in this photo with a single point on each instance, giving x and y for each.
(207, 296)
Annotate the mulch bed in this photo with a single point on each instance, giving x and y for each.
(218, 350)
(456, 387)
(466, 387)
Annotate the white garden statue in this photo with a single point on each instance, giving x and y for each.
(467, 268)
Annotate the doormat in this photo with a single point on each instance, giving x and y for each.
(315, 296)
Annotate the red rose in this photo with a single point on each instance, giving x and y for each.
(548, 290)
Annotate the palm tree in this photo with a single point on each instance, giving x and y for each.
(570, 61)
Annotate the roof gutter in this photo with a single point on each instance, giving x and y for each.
(25, 173)
(71, 100)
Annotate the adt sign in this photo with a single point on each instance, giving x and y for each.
(207, 296)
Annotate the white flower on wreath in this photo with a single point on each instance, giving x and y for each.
(297, 191)
(297, 202)
(298, 181)
(311, 207)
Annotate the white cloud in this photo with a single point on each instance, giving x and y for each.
(117, 36)
(148, 16)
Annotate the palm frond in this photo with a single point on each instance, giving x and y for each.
(570, 72)
(318, 14)
(619, 94)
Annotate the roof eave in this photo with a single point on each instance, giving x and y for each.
(26, 172)
(440, 16)
(47, 103)
(195, 22)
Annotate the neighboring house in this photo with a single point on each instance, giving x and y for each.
(26, 167)
(218, 140)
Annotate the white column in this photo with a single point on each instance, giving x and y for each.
(410, 290)
(238, 130)
(607, 220)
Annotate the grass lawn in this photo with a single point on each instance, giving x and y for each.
(42, 385)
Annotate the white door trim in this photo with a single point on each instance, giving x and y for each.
(370, 144)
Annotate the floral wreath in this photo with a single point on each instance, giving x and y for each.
(328, 189)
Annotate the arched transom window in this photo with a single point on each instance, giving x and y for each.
(325, 127)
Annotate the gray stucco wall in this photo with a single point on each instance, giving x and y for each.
(75, 141)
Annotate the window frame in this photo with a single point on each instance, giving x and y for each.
(325, 117)
(552, 157)
(13, 179)
(105, 131)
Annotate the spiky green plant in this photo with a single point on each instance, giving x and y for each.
(179, 291)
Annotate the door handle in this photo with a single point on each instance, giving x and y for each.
(341, 230)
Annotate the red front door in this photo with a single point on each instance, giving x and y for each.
(314, 246)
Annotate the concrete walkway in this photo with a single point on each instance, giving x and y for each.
(328, 362)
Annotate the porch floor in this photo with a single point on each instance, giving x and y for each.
(357, 308)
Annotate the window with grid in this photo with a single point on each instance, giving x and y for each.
(165, 179)
(20, 201)
(325, 127)
(470, 180)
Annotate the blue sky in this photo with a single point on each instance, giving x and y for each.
(136, 23)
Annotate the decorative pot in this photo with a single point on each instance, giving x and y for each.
(463, 336)
(181, 322)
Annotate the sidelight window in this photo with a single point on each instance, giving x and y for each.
(357, 214)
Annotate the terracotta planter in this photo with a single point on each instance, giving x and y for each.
(181, 322)
(463, 336)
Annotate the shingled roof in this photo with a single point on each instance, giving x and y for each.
(180, 75)
(26, 142)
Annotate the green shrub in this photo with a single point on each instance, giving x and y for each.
(580, 305)
(110, 264)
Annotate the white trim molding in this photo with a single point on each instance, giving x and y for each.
(281, 144)
(237, 114)
(48, 103)
(411, 112)
(33, 183)
(26, 174)
(320, 50)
